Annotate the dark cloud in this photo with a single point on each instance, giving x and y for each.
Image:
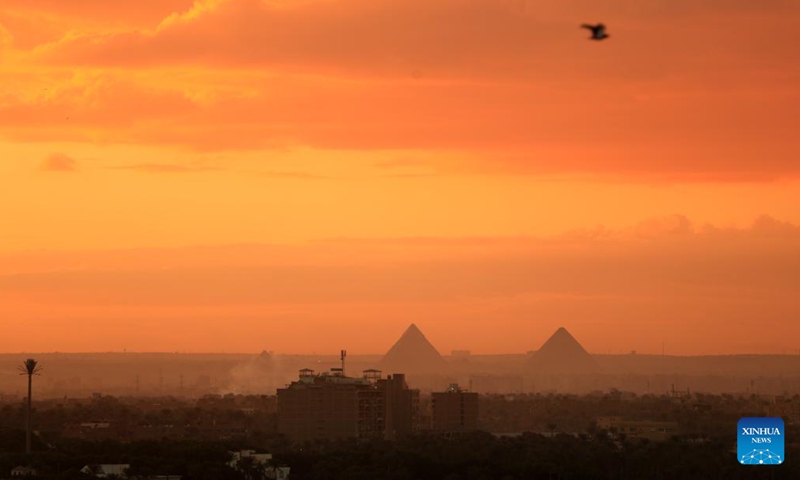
(447, 38)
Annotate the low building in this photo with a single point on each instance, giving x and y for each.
(93, 430)
(258, 458)
(653, 431)
(497, 384)
(23, 471)
(107, 470)
(95, 425)
(454, 410)
(245, 460)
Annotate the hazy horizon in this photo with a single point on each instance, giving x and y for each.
(365, 354)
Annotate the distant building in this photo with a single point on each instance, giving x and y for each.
(93, 425)
(679, 394)
(483, 384)
(653, 431)
(116, 470)
(240, 459)
(260, 458)
(455, 410)
(334, 406)
(92, 430)
(460, 356)
(23, 471)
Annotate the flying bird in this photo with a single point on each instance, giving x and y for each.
(598, 31)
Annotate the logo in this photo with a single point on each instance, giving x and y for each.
(760, 441)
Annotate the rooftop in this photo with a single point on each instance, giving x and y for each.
(336, 376)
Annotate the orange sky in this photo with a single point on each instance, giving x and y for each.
(310, 175)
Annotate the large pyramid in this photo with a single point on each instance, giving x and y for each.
(413, 353)
(562, 354)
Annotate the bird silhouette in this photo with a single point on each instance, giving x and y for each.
(598, 31)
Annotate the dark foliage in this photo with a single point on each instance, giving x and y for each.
(482, 456)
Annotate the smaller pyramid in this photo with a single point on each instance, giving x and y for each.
(562, 354)
(413, 353)
(264, 358)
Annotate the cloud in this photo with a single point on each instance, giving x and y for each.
(768, 226)
(59, 162)
(6, 38)
(666, 226)
(478, 39)
(410, 168)
(400, 163)
(412, 175)
(672, 258)
(166, 168)
(296, 175)
(147, 13)
(505, 81)
(701, 287)
(82, 101)
(513, 129)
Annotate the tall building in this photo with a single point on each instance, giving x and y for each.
(401, 406)
(333, 406)
(455, 410)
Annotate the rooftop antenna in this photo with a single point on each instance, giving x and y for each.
(344, 354)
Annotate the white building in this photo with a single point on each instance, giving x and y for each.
(118, 470)
(261, 458)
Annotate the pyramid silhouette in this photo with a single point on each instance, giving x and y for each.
(562, 354)
(413, 353)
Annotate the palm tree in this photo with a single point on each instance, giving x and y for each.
(29, 367)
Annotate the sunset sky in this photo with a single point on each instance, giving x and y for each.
(309, 175)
